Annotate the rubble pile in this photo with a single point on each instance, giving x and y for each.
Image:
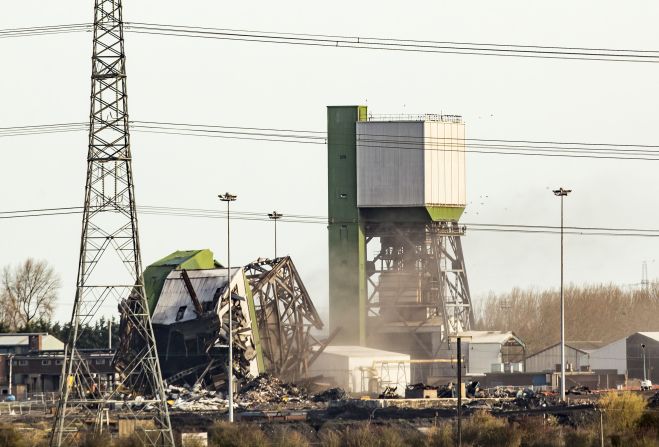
(268, 389)
(330, 394)
(579, 390)
(195, 399)
(271, 393)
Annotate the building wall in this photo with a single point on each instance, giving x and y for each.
(445, 181)
(548, 359)
(347, 244)
(410, 164)
(611, 356)
(482, 356)
(390, 164)
(353, 371)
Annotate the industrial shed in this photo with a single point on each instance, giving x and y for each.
(577, 357)
(626, 356)
(484, 349)
(359, 369)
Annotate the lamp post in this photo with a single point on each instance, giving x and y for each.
(645, 377)
(458, 338)
(228, 198)
(275, 216)
(562, 193)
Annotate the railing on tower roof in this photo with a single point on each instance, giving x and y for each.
(416, 117)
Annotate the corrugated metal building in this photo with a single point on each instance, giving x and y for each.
(626, 356)
(547, 359)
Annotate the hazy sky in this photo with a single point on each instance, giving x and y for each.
(46, 79)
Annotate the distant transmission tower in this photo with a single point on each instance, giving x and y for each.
(645, 281)
(135, 391)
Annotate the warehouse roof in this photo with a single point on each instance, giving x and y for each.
(583, 347)
(156, 273)
(494, 337)
(48, 342)
(652, 335)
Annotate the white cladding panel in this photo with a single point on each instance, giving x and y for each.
(445, 182)
(390, 163)
(175, 295)
(410, 163)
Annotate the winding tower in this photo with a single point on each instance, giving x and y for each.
(396, 191)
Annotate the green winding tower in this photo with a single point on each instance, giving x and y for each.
(396, 190)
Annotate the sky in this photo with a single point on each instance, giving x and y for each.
(46, 79)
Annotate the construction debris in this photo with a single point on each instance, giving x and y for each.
(579, 390)
(269, 389)
(330, 394)
(286, 315)
(196, 399)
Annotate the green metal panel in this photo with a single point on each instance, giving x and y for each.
(445, 213)
(256, 337)
(347, 245)
(411, 214)
(156, 273)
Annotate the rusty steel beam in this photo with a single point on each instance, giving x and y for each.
(285, 315)
(193, 295)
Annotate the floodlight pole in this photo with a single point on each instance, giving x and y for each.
(459, 391)
(275, 216)
(645, 377)
(562, 193)
(228, 198)
(458, 338)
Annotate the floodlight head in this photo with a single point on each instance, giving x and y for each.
(275, 215)
(227, 197)
(562, 192)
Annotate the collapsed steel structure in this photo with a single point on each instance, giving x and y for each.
(286, 315)
(274, 319)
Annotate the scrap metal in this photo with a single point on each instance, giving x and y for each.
(286, 316)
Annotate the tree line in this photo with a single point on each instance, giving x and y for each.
(593, 313)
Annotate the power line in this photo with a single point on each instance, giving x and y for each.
(645, 152)
(323, 220)
(360, 42)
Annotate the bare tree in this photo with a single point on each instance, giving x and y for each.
(600, 312)
(28, 293)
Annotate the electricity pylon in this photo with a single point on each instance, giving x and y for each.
(133, 394)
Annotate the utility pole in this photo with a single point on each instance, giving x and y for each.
(458, 338)
(459, 392)
(562, 193)
(11, 371)
(109, 227)
(645, 377)
(275, 216)
(228, 198)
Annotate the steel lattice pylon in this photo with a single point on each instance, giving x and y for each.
(88, 401)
